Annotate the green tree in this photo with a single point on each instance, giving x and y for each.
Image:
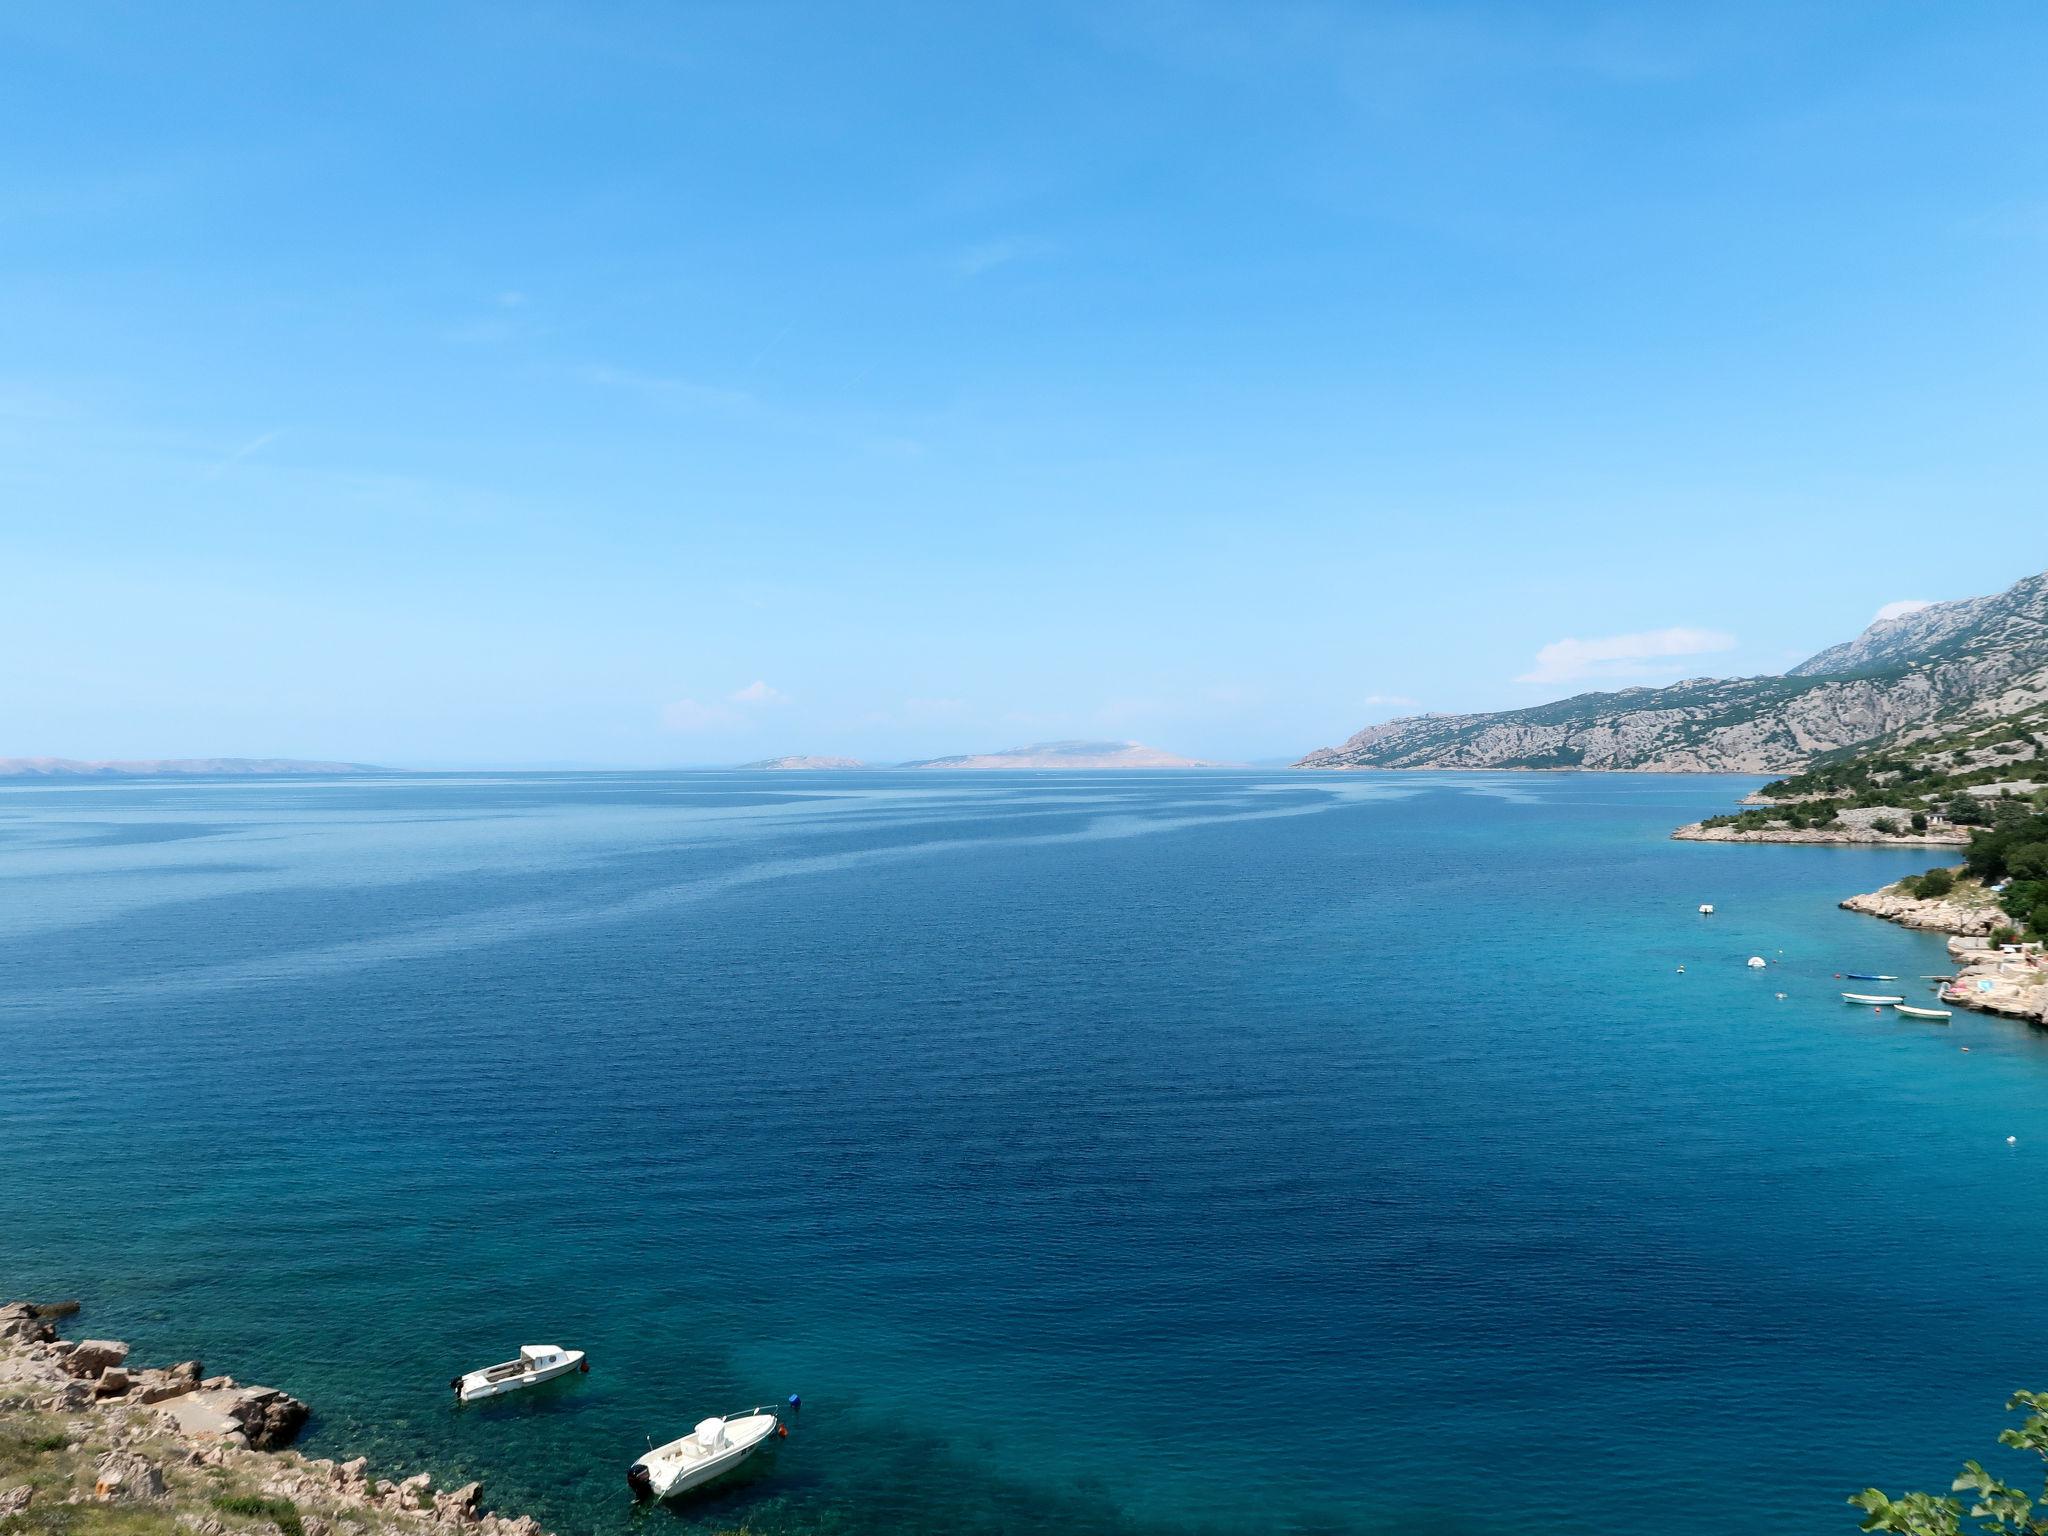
(2004, 1510)
(1919, 821)
(1936, 882)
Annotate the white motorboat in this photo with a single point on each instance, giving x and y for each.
(712, 1449)
(536, 1363)
(1937, 1015)
(1871, 999)
(1706, 909)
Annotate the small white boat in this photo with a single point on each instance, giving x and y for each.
(1755, 962)
(1869, 999)
(1939, 1015)
(536, 1363)
(712, 1449)
(1706, 909)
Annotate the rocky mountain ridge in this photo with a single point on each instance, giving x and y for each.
(1974, 658)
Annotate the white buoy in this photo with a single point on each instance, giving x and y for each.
(2012, 1141)
(1755, 962)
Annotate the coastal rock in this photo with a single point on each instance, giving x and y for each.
(1969, 911)
(173, 1381)
(89, 1357)
(113, 1382)
(268, 1418)
(123, 1477)
(24, 1320)
(460, 1504)
(1862, 836)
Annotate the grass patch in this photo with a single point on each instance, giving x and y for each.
(27, 1440)
(53, 1519)
(282, 1513)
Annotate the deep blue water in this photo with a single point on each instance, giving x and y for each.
(1109, 1154)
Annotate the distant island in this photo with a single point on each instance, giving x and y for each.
(174, 767)
(1040, 755)
(1069, 754)
(799, 761)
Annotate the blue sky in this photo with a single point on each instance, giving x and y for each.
(643, 384)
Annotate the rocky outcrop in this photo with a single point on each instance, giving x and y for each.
(1866, 837)
(1968, 909)
(90, 1357)
(270, 1419)
(205, 1454)
(1918, 670)
(2012, 981)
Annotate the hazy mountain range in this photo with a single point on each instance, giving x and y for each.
(1044, 754)
(173, 767)
(1949, 664)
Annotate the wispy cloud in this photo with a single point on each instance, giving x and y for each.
(1900, 609)
(1618, 657)
(737, 711)
(991, 254)
(234, 456)
(686, 393)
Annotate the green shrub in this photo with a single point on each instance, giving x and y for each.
(1886, 825)
(282, 1513)
(1935, 883)
(1919, 821)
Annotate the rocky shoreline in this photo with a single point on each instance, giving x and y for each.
(184, 1454)
(2011, 981)
(1862, 837)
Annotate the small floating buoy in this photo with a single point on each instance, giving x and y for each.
(1964, 1049)
(1681, 970)
(1780, 996)
(2012, 1141)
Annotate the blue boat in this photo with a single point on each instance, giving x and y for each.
(1867, 976)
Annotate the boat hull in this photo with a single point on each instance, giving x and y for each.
(661, 1474)
(475, 1388)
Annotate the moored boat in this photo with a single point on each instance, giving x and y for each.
(1869, 999)
(1938, 1015)
(713, 1448)
(1867, 976)
(536, 1363)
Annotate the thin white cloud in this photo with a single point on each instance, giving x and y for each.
(1900, 609)
(1619, 657)
(990, 254)
(234, 456)
(683, 392)
(758, 692)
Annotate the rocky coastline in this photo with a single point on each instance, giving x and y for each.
(1862, 837)
(174, 1452)
(2009, 980)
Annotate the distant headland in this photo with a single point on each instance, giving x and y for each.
(1040, 755)
(174, 767)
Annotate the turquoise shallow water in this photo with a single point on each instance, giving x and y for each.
(1245, 1152)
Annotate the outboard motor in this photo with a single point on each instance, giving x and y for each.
(638, 1480)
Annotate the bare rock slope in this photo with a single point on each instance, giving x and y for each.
(1950, 662)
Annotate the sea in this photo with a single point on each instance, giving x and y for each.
(1109, 1154)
